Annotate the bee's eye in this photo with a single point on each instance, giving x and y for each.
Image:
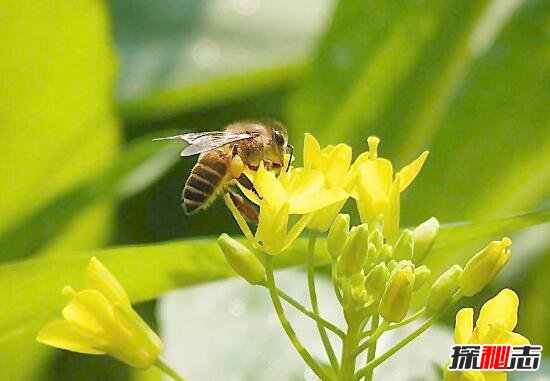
(278, 137)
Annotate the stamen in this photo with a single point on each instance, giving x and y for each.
(68, 292)
(373, 142)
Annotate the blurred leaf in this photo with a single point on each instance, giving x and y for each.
(467, 80)
(491, 155)
(173, 48)
(141, 163)
(385, 66)
(30, 289)
(167, 102)
(57, 127)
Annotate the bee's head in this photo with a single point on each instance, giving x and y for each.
(279, 142)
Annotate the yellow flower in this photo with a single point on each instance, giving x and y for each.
(495, 325)
(100, 320)
(377, 190)
(334, 163)
(298, 191)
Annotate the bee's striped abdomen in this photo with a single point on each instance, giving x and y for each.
(206, 179)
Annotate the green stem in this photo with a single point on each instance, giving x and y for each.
(421, 312)
(334, 277)
(378, 330)
(308, 359)
(314, 303)
(350, 343)
(294, 303)
(427, 324)
(166, 369)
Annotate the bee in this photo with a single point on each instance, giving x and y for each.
(223, 156)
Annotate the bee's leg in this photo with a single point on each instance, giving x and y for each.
(245, 182)
(247, 210)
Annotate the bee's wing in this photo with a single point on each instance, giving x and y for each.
(200, 142)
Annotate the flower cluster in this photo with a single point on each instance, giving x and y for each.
(318, 191)
(377, 268)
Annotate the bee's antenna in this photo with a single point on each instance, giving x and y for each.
(290, 148)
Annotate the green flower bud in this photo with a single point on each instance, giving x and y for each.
(384, 254)
(376, 238)
(354, 252)
(338, 234)
(484, 266)
(242, 260)
(404, 247)
(375, 281)
(392, 264)
(424, 237)
(397, 297)
(421, 276)
(444, 288)
(371, 256)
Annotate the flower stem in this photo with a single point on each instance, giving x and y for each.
(314, 303)
(167, 369)
(427, 324)
(308, 359)
(334, 277)
(421, 312)
(294, 303)
(349, 344)
(378, 330)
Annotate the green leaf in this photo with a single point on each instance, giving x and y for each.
(165, 102)
(141, 164)
(30, 290)
(57, 127)
(384, 65)
(491, 155)
(451, 77)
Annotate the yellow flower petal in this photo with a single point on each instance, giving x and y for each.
(377, 177)
(309, 203)
(61, 334)
(99, 278)
(90, 311)
(296, 230)
(312, 151)
(464, 325)
(322, 219)
(338, 163)
(271, 190)
(138, 336)
(391, 215)
(490, 334)
(409, 172)
(304, 183)
(272, 228)
(501, 311)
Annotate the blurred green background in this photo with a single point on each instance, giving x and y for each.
(85, 84)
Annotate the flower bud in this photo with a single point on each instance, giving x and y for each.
(397, 297)
(404, 247)
(376, 238)
(444, 288)
(375, 282)
(354, 252)
(484, 266)
(384, 254)
(421, 276)
(424, 237)
(242, 260)
(338, 234)
(371, 256)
